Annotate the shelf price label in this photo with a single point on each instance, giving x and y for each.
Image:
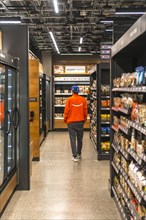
(33, 99)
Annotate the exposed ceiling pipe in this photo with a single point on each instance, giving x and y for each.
(41, 15)
(50, 10)
(23, 16)
(4, 6)
(58, 25)
(71, 19)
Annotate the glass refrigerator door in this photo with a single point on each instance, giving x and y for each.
(48, 102)
(11, 103)
(2, 98)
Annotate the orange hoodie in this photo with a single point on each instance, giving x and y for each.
(75, 109)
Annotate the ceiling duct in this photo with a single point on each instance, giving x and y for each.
(75, 18)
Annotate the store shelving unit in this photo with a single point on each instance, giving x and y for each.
(103, 109)
(62, 90)
(99, 114)
(93, 108)
(128, 53)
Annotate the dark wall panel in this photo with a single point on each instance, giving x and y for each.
(16, 43)
(74, 59)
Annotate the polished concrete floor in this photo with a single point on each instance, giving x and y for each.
(62, 189)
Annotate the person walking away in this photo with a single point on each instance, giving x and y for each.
(75, 114)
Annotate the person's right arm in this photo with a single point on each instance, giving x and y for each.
(85, 110)
(66, 111)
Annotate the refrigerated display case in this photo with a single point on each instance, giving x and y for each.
(41, 106)
(44, 105)
(41, 103)
(47, 105)
(9, 118)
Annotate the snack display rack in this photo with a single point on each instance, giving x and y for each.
(128, 122)
(99, 110)
(62, 90)
(93, 109)
(103, 111)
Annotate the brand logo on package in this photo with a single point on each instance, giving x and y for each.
(75, 69)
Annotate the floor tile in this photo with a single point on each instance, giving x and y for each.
(62, 189)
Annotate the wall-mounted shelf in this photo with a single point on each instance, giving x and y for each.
(62, 90)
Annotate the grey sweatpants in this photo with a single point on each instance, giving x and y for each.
(76, 130)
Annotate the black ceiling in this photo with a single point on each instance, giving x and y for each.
(76, 18)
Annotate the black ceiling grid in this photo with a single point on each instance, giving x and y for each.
(76, 18)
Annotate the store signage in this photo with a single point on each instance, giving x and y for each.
(58, 69)
(91, 69)
(33, 99)
(106, 57)
(75, 69)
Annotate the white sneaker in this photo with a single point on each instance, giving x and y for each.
(79, 156)
(75, 159)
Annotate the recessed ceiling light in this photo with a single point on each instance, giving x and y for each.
(10, 20)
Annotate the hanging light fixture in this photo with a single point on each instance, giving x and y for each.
(55, 2)
(130, 11)
(81, 40)
(54, 41)
(10, 20)
(79, 49)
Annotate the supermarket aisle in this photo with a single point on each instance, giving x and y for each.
(62, 189)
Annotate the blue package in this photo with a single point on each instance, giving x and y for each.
(103, 130)
(108, 130)
(140, 75)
